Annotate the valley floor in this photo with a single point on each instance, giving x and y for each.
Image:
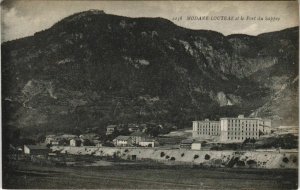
(26, 175)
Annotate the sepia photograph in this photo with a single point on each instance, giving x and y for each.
(149, 94)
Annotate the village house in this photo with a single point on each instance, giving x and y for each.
(36, 150)
(50, 138)
(90, 139)
(133, 128)
(90, 136)
(110, 129)
(68, 136)
(196, 146)
(186, 144)
(138, 137)
(75, 142)
(148, 143)
(57, 142)
(123, 141)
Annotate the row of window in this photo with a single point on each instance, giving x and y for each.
(202, 133)
(235, 125)
(208, 126)
(237, 138)
(239, 129)
(242, 121)
(231, 133)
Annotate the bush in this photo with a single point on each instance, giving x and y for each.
(207, 157)
(240, 163)
(172, 158)
(167, 157)
(182, 155)
(285, 160)
(162, 154)
(196, 156)
(250, 162)
(126, 150)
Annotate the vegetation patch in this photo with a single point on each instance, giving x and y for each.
(162, 154)
(240, 163)
(167, 157)
(182, 155)
(173, 158)
(207, 157)
(251, 162)
(285, 160)
(196, 156)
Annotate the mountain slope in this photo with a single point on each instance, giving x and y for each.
(91, 69)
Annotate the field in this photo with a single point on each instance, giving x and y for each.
(26, 175)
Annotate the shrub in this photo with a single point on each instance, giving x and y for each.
(196, 156)
(167, 157)
(172, 158)
(250, 162)
(240, 163)
(207, 157)
(162, 154)
(285, 160)
(182, 155)
(126, 150)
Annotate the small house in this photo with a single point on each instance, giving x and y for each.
(148, 143)
(123, 141)
(133, 128)
(50, 138)
(110, 129)
(196, 146)
(186, 144)
(36, 150)
(75, 142)
(138, 137)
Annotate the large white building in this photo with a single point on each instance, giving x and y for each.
(206, 129)
(232, 129)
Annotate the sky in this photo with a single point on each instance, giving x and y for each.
(21, 18)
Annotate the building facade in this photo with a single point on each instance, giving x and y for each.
(110, 129)
(232, 129)
(240, 128)
(138, 137)
(75, 142)
(206, 129)
(123, 141)
(35, 150)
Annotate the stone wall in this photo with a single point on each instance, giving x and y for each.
(255, 159)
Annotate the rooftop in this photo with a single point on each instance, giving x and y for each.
(36, 147)
(187, 141)
(123, 138)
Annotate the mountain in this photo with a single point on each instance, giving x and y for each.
(92, 69)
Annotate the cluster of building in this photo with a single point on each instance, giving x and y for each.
(74, 140)
(137, 138)
(110, 129)
(231, 129)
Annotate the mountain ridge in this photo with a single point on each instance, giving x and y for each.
(102, 69)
